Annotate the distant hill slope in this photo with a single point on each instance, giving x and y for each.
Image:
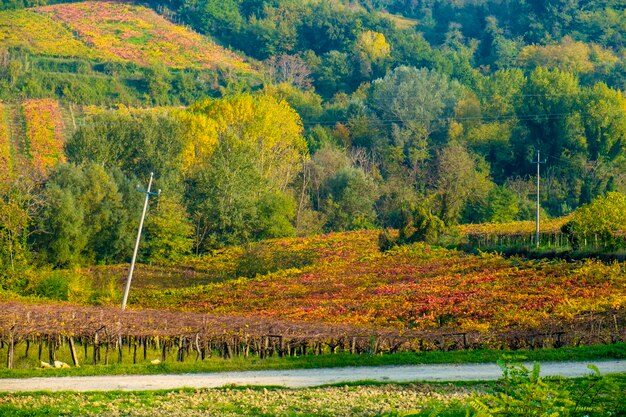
(112, 31)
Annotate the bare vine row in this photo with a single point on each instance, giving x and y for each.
(108, 334)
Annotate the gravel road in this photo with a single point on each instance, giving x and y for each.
(295, 378)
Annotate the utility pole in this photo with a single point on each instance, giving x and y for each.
(538, 162)
(132, 263)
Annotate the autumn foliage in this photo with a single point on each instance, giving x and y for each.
(40, 34)
(44, 132)
(344, 279)
(5, 145)
(120, 31)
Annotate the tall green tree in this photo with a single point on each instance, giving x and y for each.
(461, 178)
(136, 141)
(86, 218)
(415, 103)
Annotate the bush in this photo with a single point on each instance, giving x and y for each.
(62, 285)
(599, 220)
(522, 392)
(55, 287)
(106, 293)
(418, 225)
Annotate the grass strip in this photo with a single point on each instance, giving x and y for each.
(581, 353)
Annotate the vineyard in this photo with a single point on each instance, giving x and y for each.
(44, 130)
(105, 335)
(344, 279)
(137, 34)
(522, 234)
(109, 31)
(5, 143)
(40, 34)
(336, 293)
(32, 133)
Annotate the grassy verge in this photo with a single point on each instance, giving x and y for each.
(29, 367)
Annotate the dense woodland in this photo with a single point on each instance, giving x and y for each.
(357, 115)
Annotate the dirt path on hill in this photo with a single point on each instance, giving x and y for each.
(296, 378)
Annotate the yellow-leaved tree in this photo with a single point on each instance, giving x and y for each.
(241, 154)
(270, 126)
(374, 46)
(200, 140)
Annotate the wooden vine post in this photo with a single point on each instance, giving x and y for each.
(73, 351)
(11, 349)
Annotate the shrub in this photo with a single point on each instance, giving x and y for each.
(599, 220)
(55, 287)
(522, 392)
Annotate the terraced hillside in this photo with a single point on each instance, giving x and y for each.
(111, 31)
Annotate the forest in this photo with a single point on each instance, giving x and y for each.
(351, 115)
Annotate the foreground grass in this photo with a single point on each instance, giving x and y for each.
(29, 367)
(328, 401)
(365, 399)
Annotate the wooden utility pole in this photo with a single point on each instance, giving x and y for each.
(132, 263)
(538, 162)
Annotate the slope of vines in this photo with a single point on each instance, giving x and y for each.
(338, 292)
(348, 281)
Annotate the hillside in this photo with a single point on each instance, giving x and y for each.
(110, 53)
(343, 279)
(32, 134)
(111, 31)
(338, 290)
(358, 118)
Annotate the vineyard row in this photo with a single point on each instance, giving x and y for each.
(556, 240)
(104, 332)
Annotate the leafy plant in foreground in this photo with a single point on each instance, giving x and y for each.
(523, 392)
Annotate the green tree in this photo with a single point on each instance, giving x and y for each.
(86, 218)
(232, 203)
(598, 221)
(169, 231)
(158, 83)
(502, 206)
(605, 122)
(136, 141)
(415, 102)
(461, 178)
(348, 199)
(276, 213)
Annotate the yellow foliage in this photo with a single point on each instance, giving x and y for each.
(40, 34)
(568, 55)
(200, 140)
(374, 45)
(112, 31)
(269, 125)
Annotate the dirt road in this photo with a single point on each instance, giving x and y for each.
(296, 378)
